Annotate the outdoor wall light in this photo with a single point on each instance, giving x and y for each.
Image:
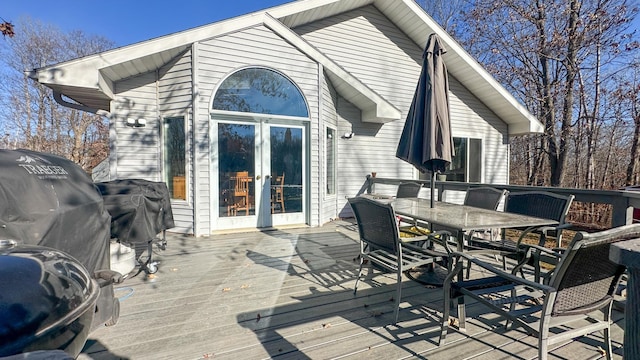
(347, 135)
(136, 122)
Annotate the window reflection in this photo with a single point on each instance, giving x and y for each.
(260, 91)
(286, 169)
(331, 161)
(466, 165)
(174, 157)
(236, 151)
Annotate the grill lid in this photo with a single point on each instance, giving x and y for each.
(41, 289)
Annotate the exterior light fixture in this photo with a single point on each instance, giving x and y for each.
(136, 122)
(347, 135)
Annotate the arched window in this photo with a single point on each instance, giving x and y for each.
(260, 91)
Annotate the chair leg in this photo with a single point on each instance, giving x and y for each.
(462, 314)
(543, 336)
(446, 313)
(398, 295)
(607, 332)
(355, 287)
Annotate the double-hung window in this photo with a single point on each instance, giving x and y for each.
(466, 165)
(174, 156)
(330, 165)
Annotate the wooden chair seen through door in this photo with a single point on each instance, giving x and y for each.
(240, 193)
(277, 194)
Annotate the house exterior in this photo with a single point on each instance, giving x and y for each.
(275, 117)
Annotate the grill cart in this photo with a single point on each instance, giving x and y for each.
(140, 210)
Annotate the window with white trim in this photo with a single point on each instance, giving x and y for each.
(174, 150)
(330, 164)
(466, 165)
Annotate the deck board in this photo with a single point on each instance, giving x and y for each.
(288, 294)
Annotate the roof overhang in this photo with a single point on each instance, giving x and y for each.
(89, 80)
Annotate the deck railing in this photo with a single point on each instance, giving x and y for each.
(620, 202)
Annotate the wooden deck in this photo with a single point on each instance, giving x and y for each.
(288, 294)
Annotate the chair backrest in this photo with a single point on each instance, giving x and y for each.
(241, 182)
(408, 190)
(585, 278)
(377, 224)
(484, 197)
(540, 204)
(279, 180)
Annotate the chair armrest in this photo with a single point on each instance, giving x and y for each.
(505, 275)
(438, 237)
(377, 196)
(409, 240)
(556, 228)
(541, 249)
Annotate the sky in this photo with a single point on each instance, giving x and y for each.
(129, 21)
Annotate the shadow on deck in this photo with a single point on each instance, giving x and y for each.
(288, 294)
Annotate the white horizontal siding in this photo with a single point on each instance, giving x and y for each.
(329, 116)
(152, 96)
(471, 118)
(367, 45)
(137, 149)
(376, 52)
(371, 48)
(175, 99)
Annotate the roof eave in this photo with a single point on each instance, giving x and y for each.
(465, 68)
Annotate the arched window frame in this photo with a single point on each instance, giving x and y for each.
(302, 105)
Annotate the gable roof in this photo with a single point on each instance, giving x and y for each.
(89, 80)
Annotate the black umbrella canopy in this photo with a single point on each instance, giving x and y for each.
(426, 140)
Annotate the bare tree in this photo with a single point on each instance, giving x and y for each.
(541, 50)
(627, 98)
(448, 14)
(30, 116)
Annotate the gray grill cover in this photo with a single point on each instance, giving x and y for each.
(140, 209)
(50, 201)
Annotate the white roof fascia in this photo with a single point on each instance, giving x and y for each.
(373, 107)
(74, 72)
(300, 6)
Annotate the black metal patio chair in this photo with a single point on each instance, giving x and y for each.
(484, 197)
(582, 286)
(408, 190)
(540, 204)
(380, 243)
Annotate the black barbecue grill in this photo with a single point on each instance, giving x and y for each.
(50, 202)
(140, 210)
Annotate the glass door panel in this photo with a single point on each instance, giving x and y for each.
(286, 165)
(236, 170)
(260, 169)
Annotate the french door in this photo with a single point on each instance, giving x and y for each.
(259, 173)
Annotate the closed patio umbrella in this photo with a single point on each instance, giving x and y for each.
(426, 140)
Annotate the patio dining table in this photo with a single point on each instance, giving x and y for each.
(460, 219)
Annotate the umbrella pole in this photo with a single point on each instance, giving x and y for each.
(433, 187)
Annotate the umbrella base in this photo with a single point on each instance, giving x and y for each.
(433, 275)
